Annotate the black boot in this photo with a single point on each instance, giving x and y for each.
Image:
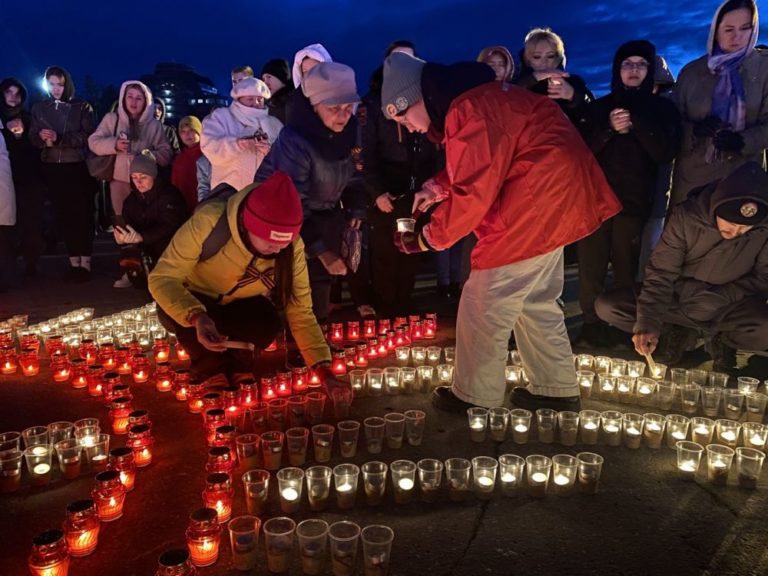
(723, 356)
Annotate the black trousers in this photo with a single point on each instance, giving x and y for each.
(252, 320)
(394, 273)
(616, 242)
(72, 190)
(742, 325)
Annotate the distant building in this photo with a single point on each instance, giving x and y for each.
(184, 91)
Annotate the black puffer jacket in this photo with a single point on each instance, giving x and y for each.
(631, 161)
(320, 163)
(156, 215)
(73, 121)
(25, 158)
(395, 161)
(693, 260)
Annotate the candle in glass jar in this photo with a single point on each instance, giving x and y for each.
(81, 528)
(405, 484)
(30, 363)
(203, 537)
(109, 495)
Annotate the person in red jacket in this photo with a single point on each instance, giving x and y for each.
(184, 170)
(520, 177)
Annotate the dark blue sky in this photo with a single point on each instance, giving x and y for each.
(115, 41)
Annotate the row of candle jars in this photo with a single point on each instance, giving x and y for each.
(414, 327)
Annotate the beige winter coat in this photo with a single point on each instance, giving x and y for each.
(151, 136)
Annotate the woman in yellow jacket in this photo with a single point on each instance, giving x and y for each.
(208, 298)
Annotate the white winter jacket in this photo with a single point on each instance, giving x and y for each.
(230, 164)
(7, 192)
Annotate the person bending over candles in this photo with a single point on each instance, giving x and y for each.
(226, 270)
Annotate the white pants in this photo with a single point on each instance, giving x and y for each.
(520, 296)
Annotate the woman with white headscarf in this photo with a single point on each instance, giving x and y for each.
(723, 98)
(237, 138)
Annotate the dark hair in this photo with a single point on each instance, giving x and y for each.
(284, 276)
(247, 70)
(400, 44)
(733, 5)
(55, 71)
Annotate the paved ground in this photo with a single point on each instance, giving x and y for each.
(643, 521)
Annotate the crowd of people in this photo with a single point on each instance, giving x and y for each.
(518, 163)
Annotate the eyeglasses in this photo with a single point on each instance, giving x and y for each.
(627, 65)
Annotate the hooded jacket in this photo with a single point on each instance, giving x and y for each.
(170, 131)
(179, 272)
(509, 69)
(184, 174)
(221, 131)
(145, 134)
(314, 51)
(517, 172)
(692, 259)
(25, 158)
(693, 97)
(7, 190)
(631, 161)
(320, 163)
(73, 121)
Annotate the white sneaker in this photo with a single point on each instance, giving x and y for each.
(366, 311)
(122, 282)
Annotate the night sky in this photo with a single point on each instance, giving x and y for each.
(116, 41)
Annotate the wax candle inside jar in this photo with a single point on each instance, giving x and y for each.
(30, 363)
(109, 495)
(81, 528)
(203, 537)
(50, 555)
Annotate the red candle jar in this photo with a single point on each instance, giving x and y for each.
(181, 384)
(181, 354)
(195, 391)
(108, 495)
(391, 340)
(50, 556)
(382, 349)
(337, 332)
(123, 360)
(88, 351)
(400, 321)
(78, 372)
(431, 318)
(137, 418)
(108, 383)
(283, 384)
(55, 344)
(107, 356)
(203, 536)
(300, 379)
(6, 337)
(218, 495)
(315, 381)
(214, 417)
(30, 363)
(220, 460)
(121, 461)
(161, 348)
(163, 377)
(249, 393)
(95, 380)
(231, 404)
(402, 337)
(384, 326)
(361, 355)
(140, 440)
(339, 363)
(373, 348)
(349, 356)
(353, 330)
(417, 332)
(118, 414)
(135, 348)
(369, 328)
(225, 436)
(30, 340)
(211, 400)
(267, 388)
(60, 368)
(81, 528)
(140, 368)
(117, 391)
(175, 562)
(8, 361)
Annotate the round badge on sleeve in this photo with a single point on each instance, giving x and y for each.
(748, 209)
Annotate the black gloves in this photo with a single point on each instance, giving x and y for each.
(728, 141)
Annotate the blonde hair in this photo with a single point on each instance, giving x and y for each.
(544, 35)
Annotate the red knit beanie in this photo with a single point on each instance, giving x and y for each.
(273, 210)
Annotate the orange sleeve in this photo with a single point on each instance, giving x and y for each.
(476, 167)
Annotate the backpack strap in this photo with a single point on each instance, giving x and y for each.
(217, 238)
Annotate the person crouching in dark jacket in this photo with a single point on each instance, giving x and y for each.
(631, 132)
(708, 274)
(153, 212)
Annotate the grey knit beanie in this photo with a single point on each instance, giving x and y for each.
(144, 163)
(330, 83)
(402, 83)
